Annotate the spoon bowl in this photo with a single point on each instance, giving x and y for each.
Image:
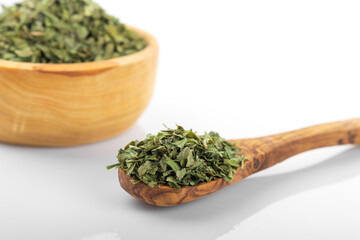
(261, 152)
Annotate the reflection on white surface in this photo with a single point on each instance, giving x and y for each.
(59, 193)
(217, 214)
(67, 193)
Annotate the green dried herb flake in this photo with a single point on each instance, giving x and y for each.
(179, 157)
(63, 31)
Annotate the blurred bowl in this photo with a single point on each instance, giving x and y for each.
(73, 104)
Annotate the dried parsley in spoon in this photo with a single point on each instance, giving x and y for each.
(63, 31)
(178, 157)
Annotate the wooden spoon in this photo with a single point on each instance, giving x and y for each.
(262, 153)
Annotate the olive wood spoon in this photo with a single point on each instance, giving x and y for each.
(262, 152)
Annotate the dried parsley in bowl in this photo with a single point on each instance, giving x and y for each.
(178, 157)
(63, 31)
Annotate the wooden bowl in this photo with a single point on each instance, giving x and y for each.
(73, 104)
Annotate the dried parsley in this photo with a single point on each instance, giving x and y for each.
(178, 157)
(63, 31)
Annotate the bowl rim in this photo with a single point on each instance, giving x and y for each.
(151, 46)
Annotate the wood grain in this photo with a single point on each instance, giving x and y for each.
(262, 153)
(72, 104)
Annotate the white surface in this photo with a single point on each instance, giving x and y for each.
(244, 69)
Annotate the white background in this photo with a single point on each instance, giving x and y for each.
(242, 68)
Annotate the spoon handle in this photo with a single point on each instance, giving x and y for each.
(273, 149)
